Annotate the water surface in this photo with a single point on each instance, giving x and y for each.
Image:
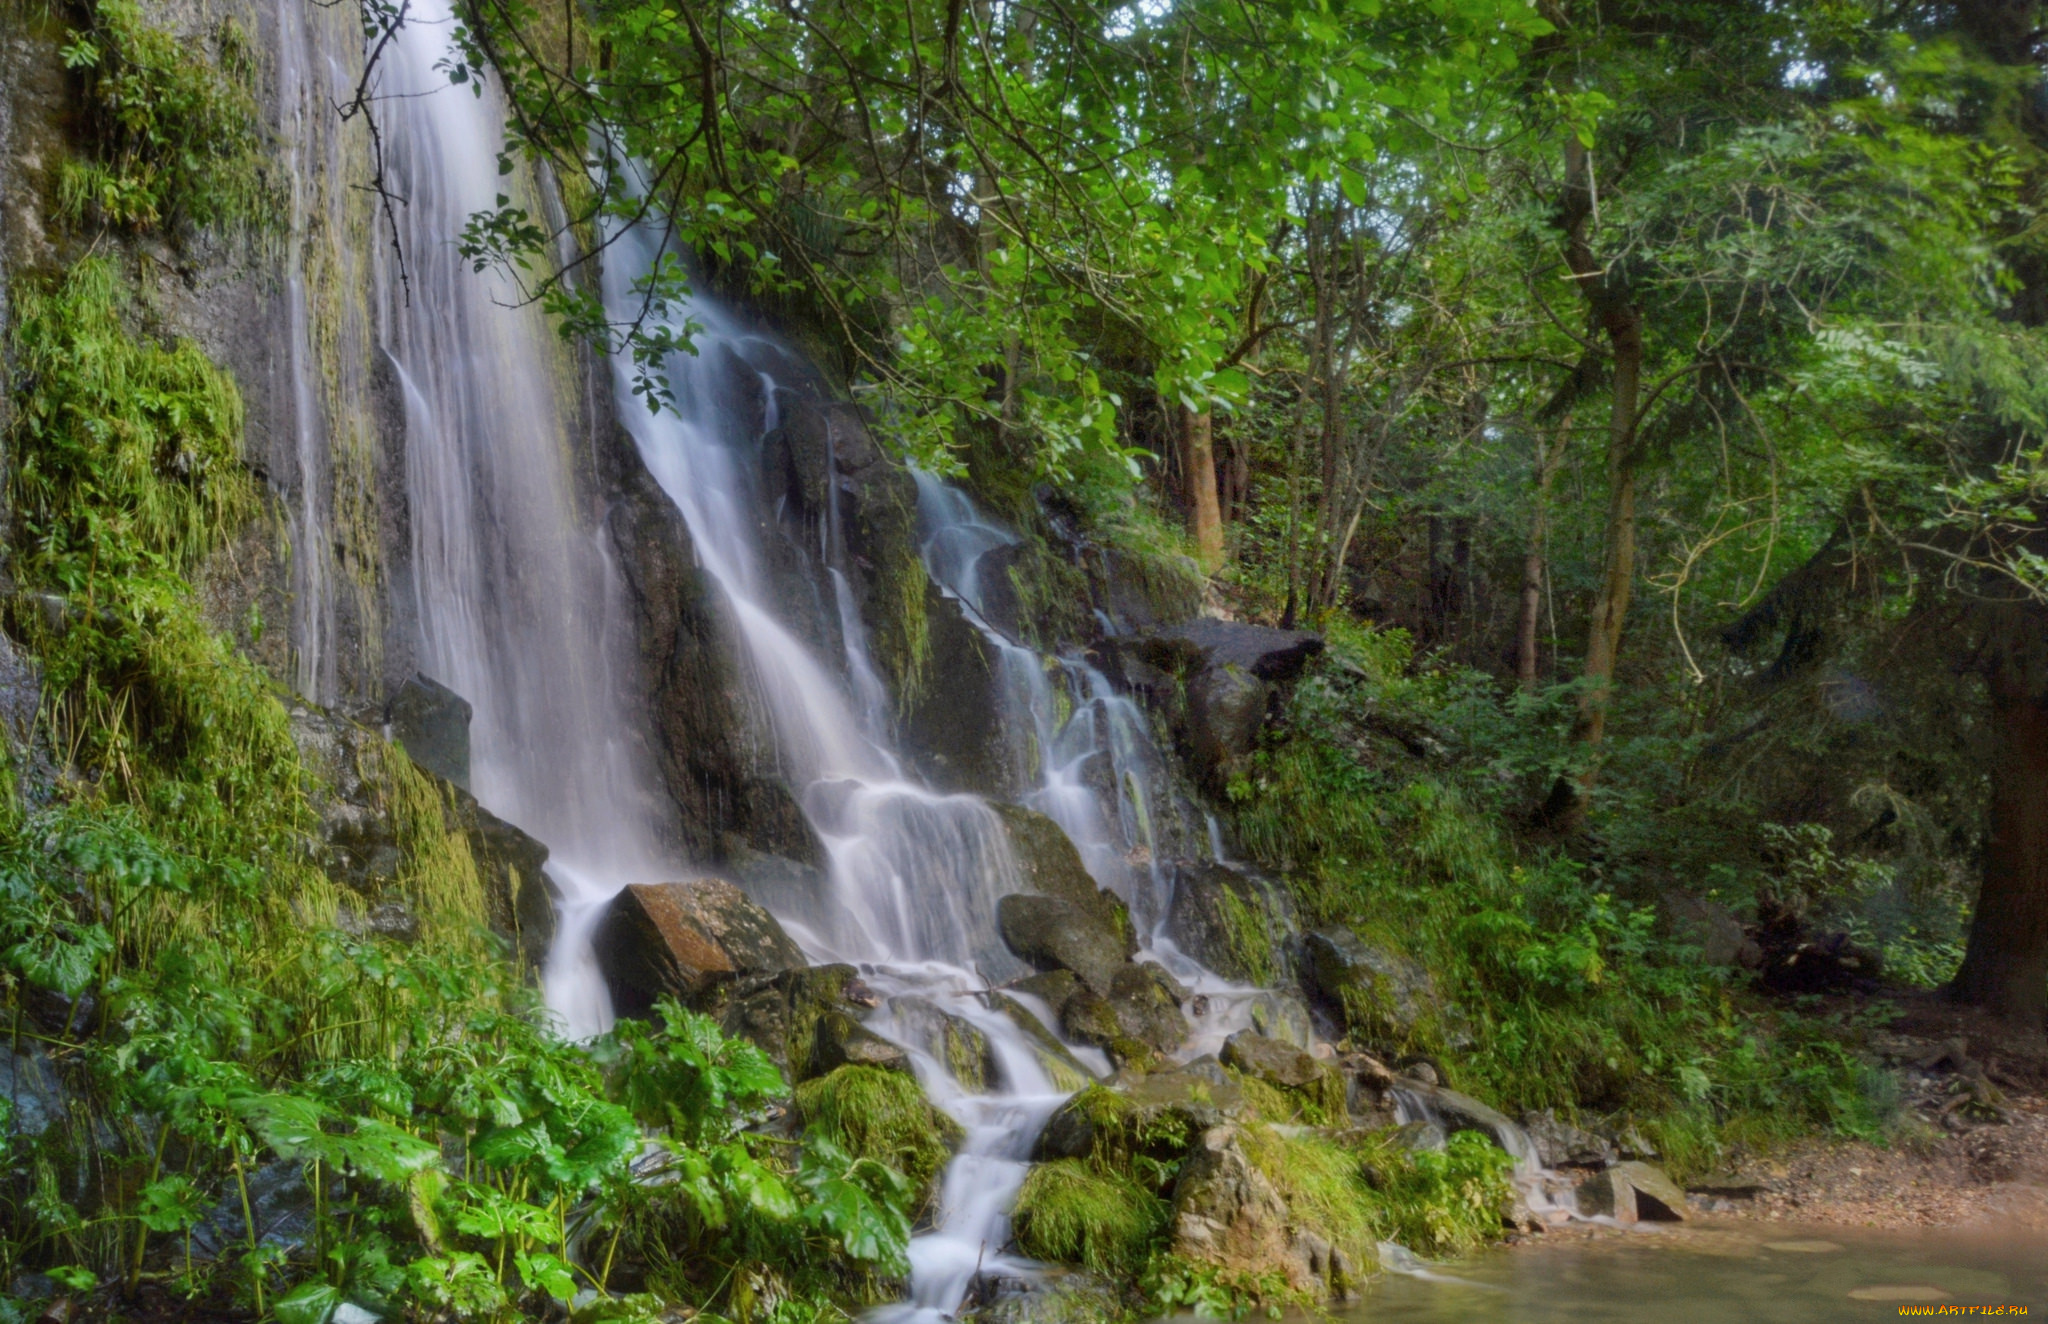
(1709, 1273)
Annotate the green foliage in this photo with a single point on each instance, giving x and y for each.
(1070, 1212)
(1440, 1202)
(173, 133)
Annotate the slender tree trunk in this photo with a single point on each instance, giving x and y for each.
(1618, 574)
(1611, 307)
(1198, 461)
(2005, 967)
(1549, 453)
(1295, 458)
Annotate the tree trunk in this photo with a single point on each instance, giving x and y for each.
(2005, 967)
(1612, 308)
(1198, 467)
(1529, 615)
(1618, 574)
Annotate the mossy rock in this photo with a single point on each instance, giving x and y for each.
(1056, 1058)
(1385, 998)
(1049, 864)
(883, 1115)
(955, 1043)
(1242, 925)
(1157, 1116)
(1072, 1212)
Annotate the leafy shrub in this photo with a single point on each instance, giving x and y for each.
(174, 134)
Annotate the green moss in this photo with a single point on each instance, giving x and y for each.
(1250, 935)
(1323, 1185)
(1322, 1103)
(884, 1115)
(1071, 1212)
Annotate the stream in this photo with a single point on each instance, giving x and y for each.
(1720, 1273)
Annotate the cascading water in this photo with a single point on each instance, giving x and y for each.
(913, 875)
(1098, 772)
(518, 611)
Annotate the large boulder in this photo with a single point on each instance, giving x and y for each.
(1381, 996)
(1238, 923)
(379, 813)
(1559, 1144)
(1217, 681)
(1050, 933)
(1630, 1192)
(432, 722)
(1164, 1111)
(1049, 864)
(954, 1042)
(686, 940)
(1054, 1057)
(1456, 1112)
(1269, 1060)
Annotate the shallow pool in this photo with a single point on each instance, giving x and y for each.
(1705, 1273)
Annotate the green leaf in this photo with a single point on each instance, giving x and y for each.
(308, 1303)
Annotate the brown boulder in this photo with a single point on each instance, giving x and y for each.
(686, 940)
(1631, 1192)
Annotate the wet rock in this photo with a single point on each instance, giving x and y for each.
(1150, 1110)
(685, 940)
(1419, 1136)
(432, 722)
(1456, 1112)
(1053, 1296)
(838, 1040)
(1562, 1145)
(1217, 682)
(280, 1207)
(955, 1043)
(1089, 1019)
(1382, 996)
(355, 792)
(1240, 924)
(780, 1013)
(1059, 1062)
(1631, 1191)
(1049, 864)
(1276, 656)
(1627, 1140)
(1275, 1063)
(31, 1087)
(1226, 709)
(1050, 933)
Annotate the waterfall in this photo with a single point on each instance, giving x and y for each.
(518, 609)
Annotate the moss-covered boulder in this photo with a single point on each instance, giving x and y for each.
(685, 940)
(1071, 1211)
(1158, 1115)
(1238, 923)
(1058, 1061)
(1047, 1297)
(1230, 1211)
(780, 1013)
(1050, 933)
(838, 1040)
(1049, 864)
(954, 1042)
(884, 1115)
(1381, 996)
